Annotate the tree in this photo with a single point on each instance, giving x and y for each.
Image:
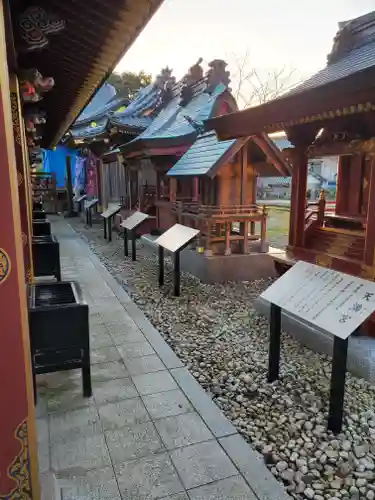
(254, 86)
(128, 83)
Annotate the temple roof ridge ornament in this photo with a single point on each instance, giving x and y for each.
(352, 35)
(217, 74)
(193, 76)
(164, 78)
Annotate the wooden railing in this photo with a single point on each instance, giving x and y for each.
(220, 211)
(215, 223)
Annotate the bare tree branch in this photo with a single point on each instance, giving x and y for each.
(252, 86)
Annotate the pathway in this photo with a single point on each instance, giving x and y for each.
(149, 431)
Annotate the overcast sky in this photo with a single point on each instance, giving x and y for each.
(293, 33)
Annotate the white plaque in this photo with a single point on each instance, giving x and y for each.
(334, 301)
(134, 220)
(176, 237)
(112, 210)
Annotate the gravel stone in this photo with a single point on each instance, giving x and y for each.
(217, 334)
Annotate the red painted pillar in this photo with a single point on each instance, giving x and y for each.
(18, 457)
(298, 198)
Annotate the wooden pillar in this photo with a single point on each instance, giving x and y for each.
(195, 189)
(99, 177)
(18, 456)
(157, 195)
(22, 177)
(69, 186)
(370, 226)
(227, 250)
(243, 175)
(141, 200)
(298, 198)
(341, 184)
(245, 246)
(172, 189)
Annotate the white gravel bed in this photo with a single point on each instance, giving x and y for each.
(220, 338)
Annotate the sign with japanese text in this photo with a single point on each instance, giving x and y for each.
(334, 301)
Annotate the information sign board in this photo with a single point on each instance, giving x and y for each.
(174, 240)
(134, 220)
(334, 301)
(111, 211)
(177, 237)
(130, 224)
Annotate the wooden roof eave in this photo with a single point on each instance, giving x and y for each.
(138, 147)
(348, 96)
(130, 22)
(273, 154)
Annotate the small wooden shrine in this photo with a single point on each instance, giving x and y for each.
(213, 188)
(332, 113)
(177, 173)
(75, 45)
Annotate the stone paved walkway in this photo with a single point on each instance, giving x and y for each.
(149, 431)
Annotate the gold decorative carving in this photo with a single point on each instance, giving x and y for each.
(15, 117)
(24, 239)
(18, 470)
(5, 265)
(19, 178)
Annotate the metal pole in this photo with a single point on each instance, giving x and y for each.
(126, 249)
(105, 227)
(134, 248)
(337, 393)
(161, 266)
(274, 347)
(176, 274)
(109, 229)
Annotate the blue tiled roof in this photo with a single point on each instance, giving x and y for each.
(131, 121)
(202, 156)
(171, 121)
(89, 129)
(100, 99)
(106, 111)
(355, 61)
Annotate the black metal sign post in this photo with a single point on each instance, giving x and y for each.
(134, 244)
(161, 266)
(176, 274)
(107, 221)
(176, 239)
(341, 311)
(88, 208)
(80, 201)
(275, 340)
(339, 358)
(126, 239)
(130, 225)
(337, 392)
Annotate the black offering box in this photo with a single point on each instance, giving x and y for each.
(39, 215)
(37, 205)
(59, 330)
(46, 256)
(41, 227)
